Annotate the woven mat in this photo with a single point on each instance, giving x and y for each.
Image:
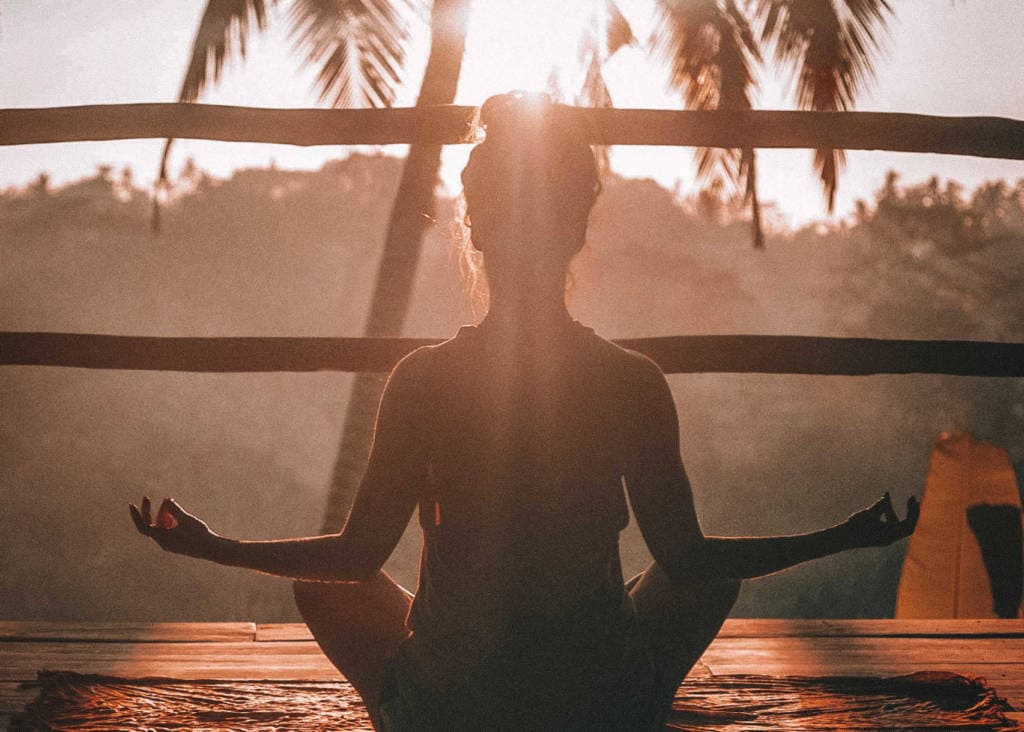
(928, 700)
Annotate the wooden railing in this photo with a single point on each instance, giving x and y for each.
(979, 136)
(993, 137)
(675, 354)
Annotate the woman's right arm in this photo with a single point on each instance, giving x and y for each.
(380, 513)
(662, 501)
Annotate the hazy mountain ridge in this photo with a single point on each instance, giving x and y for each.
(271, 252)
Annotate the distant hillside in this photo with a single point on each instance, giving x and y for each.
(272, 252)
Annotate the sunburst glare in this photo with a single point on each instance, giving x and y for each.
(522, 45)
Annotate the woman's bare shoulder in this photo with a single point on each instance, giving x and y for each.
(426, 362)
(633, 365)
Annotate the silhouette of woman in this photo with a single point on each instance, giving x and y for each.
(519, 440)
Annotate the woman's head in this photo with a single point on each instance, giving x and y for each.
(529, 187)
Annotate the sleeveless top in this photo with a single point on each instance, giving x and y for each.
(520, 615)
(520, 580)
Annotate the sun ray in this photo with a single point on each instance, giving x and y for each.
(517, 45)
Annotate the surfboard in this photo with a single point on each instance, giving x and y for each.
(965, 558)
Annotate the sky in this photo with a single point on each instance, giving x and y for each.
(945, 57)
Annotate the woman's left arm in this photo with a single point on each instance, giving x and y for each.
(383, 506)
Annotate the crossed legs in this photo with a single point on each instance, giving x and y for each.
(678, 621)
(359, 625)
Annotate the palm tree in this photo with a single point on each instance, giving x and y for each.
(360, 46)
(709, 46)
(411, 214)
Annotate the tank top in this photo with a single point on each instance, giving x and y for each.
(520, 574)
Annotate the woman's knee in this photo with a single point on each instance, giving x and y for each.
(656, 591)
(328, 603)
(375, 607)
(655, 574)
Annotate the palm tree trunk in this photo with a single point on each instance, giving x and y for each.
(411, 214)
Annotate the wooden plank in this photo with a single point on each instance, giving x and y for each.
(1008, 685)
(674, 354)
(21, 630)
(289, 659)
(990, 649)
(271, 632)
(446, 124)
(20, 661)
(778, 628)
(921, 650)
(782, 628)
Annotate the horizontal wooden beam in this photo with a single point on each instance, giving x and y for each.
(675, 354)
(85, 631)
(993, 137)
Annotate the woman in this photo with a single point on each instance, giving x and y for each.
(519, 441)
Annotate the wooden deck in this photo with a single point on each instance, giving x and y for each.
(993, 649)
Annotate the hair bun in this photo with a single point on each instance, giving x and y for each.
(534, 157)
(515, 116)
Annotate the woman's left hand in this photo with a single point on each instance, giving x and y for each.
(174, 529)
(879, 525)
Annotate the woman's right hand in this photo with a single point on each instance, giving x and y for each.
(174, 529)
(878, 525)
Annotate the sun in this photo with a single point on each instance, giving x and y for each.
(521, 45)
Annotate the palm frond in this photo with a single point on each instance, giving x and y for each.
(710, 50)
(359, 45)
(223, 31)
(605, 32)
(619, 32)
(594, 91)
(831, 44)
(687, 42)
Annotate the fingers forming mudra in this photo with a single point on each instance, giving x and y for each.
(879, 525)
(174, 529)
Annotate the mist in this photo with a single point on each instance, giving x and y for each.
(274, 253)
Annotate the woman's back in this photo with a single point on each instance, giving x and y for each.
(520, 575)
